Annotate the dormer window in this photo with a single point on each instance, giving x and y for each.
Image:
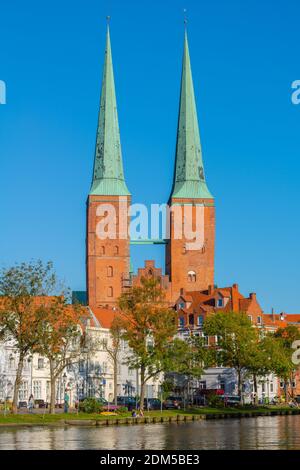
(220, 303)
(181, 305)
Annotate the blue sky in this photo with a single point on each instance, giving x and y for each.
(244, 58)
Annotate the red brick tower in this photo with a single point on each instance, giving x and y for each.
(190, 266)
(107, 244)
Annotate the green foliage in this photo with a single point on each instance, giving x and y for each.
(90, 405)
(122, 409)
(28, 279)
(148, 327)
(214, 401)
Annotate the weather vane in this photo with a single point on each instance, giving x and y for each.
(185, 16)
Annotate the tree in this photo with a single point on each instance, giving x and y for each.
(284, 367)
(60, 338)
(113, 351)
(23, 288)
(189, 358)
(260, 354)
(148, 326)
(236, 337)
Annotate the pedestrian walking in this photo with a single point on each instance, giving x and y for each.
(30, 404)
(66, 402)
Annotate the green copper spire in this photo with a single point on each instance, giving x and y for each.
(189, 180)
(108, 177)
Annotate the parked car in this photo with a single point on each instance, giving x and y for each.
(106, 405)
(231, 400)
(22, 404)
(40, 404)
(173, 403)
(129, 402)
(152, 404)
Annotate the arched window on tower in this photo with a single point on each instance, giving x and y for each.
(116, 250)
(192, 276)
(102, 250)
(110, 271)
(110, 292)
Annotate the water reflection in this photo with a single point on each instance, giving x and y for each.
(279, 432)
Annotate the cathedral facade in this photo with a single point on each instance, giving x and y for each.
(189, 245)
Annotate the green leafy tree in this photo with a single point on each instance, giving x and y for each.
(236, 337)
(148, 327)
(283, 365)
(60, 339)
(23, 288)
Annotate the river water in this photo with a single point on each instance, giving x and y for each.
(276, 432)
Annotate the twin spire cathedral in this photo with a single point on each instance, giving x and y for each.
(108, 260)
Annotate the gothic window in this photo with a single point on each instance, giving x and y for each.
(116, 250)
(150, 273)
(110, 292)
(110, 271)
(102, 250)
(191, 276)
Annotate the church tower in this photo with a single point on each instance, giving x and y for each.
(107, 255)
(190, 267)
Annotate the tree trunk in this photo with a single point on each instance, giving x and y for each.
(255, 389)
(52, 388)
(17, 384)
(292, 388)
(142, 388)
(116, 380)
(286, 391)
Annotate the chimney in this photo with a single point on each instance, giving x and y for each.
(252, 296)
(235, 286)
(211, 289)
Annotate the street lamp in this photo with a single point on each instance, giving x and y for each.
(64, 377)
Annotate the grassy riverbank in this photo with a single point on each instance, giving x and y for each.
(152, 416)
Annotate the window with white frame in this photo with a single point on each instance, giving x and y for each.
(23, 390)
(41, 363)
(37, 389)
(259, 320)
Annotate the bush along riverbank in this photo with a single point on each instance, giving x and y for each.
(94, 419)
